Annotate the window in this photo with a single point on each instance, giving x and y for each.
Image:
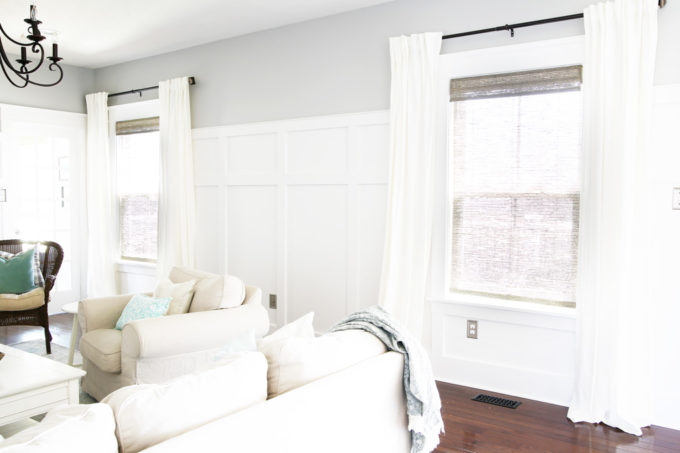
(138, 176)
(515, 151)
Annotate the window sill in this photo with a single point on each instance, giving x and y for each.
(499, 304)
(135, 267)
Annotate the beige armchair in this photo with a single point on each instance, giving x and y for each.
(158, 349)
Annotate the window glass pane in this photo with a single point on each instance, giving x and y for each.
(515, 196)
(138, 169)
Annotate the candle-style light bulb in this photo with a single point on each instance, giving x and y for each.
(33, 8)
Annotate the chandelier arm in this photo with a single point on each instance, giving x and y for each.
(33, 46)
(6, 62)
(9, 78)
(24, 75)
(61, 76)
(18, 43)
(42, 57)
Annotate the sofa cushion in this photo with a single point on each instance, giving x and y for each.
(16, 273)
(297, 360)
(180, 294)
(102, 347)
(17, 302)
(151, 413)
(82, 428)
(212, 291)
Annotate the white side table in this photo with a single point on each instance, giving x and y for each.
(73, 309)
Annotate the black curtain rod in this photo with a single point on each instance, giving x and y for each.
(511, 27)
(192, 81)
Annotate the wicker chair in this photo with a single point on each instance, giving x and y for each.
(50, 262)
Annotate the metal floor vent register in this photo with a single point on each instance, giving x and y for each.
(497, 401)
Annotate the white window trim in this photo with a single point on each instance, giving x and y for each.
(124, 112)
(512, 58)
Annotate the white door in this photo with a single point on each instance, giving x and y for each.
(40, 151)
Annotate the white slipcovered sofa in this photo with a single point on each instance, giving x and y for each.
(358, 407)
(158, 349)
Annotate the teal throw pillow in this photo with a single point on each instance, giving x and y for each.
(16, 273)
(38, 279)
(143, 307)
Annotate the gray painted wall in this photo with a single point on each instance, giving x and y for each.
(340, 64)
(68, 96)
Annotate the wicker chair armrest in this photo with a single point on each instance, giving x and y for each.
(49, 283)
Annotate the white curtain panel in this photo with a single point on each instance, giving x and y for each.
(413, 111)
(176, 212)
(613, 298)
(99, 199)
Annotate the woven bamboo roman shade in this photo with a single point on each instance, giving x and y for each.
(137, 126)
(515, 150)
(538, 81)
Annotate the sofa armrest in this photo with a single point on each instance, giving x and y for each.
(191, 332)
(101, 312)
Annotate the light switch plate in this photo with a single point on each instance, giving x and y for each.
(676, 197)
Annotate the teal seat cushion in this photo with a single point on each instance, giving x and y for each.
(16, 273)
(143, 307)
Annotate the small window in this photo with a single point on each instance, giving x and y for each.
(515, 187)
(138, 178)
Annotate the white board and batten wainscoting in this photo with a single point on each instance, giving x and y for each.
(297, 208)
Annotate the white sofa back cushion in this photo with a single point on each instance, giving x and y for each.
(151, 413)
(181, 294)
(82, 428)
(298, 358)
(211, 291)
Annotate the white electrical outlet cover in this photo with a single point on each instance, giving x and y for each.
(676, 197)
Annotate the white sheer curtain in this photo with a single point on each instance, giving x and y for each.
(100, 213)
(176, 212)
(413, 110)
(613, 381)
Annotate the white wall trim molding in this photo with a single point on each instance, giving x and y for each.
(514, 353)
(295, 124)
(308, 195)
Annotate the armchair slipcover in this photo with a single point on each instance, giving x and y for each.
(157, 349)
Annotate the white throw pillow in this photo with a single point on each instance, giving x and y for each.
(81, 428)
(295, 361)
(151, 413)
(271, 346)
(212, 291)
(181, 294)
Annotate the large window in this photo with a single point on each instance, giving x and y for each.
(138, 173)
(515, 150)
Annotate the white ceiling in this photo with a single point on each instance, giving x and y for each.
(96, 33)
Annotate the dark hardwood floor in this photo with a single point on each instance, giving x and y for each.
(534, 427)
(473, 427)
(60, 327)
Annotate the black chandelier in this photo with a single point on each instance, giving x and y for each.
(20, 77)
